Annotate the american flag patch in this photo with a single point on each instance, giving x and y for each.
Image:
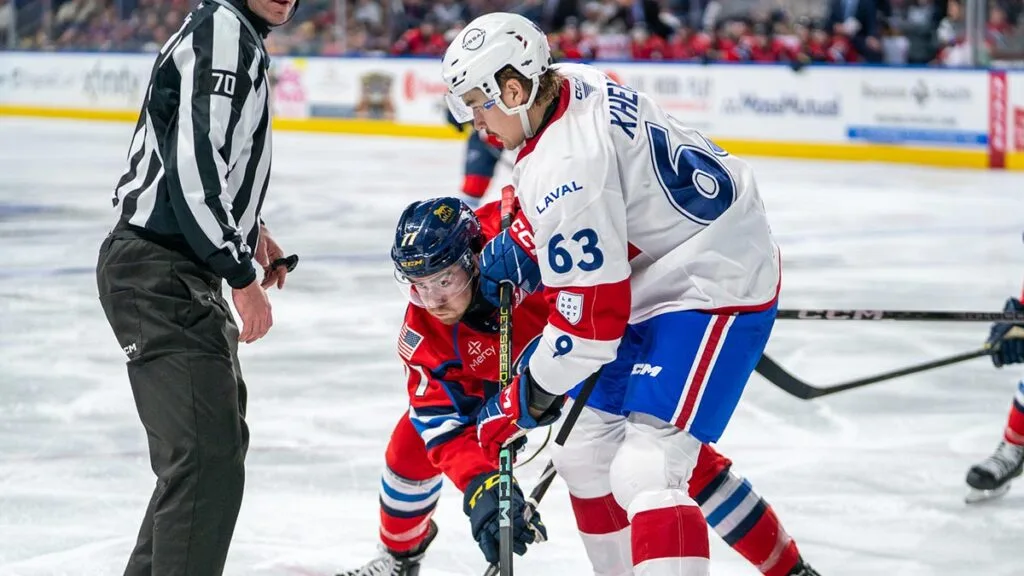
(408, 340)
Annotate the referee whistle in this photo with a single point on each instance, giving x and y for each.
(289, 262)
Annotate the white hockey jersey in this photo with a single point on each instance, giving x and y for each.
(633, 215)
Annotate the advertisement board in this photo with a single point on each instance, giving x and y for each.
(403, 90)
(919, 106)
(94, 81)
(289, 95)
(997, 118)
(1014, 116)
(936, 116)
(1015, 111)
(779, 104)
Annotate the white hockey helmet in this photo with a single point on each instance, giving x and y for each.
(482, 49)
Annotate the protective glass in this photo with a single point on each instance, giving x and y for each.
(460, 111)
(437, 289)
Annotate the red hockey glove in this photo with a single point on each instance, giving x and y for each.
(506, 415)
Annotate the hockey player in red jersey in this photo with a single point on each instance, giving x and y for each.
(448, 343)
(991, 477)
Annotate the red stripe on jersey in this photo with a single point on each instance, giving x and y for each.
(632, 251)
(703, 371)
(563, 104)
(475, 185)
(676, 532)
(601, 515)
(593, 312)
(755, 307)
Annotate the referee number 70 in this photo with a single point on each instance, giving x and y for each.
(223, 83)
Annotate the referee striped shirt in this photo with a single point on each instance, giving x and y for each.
(199, 161)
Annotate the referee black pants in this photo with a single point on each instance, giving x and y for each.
(182, 346)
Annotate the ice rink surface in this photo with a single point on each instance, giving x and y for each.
(869, 482)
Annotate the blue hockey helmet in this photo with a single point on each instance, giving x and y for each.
(434, 234)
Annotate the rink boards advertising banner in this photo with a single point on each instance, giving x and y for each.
(89, 81)
(917, 115)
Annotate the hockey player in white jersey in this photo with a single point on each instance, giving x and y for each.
(654, 250)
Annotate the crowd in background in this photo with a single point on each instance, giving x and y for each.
(794, 31)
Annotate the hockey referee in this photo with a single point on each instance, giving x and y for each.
(188, 219)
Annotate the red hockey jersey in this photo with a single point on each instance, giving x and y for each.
(451, 370)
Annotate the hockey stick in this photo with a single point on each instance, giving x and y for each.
(913, 315)
(577, 408)
(505, 478)
(792, 385)
(548, 475)
(536, 495)
(549, 471)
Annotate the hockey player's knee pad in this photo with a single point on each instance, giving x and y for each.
(585, 459)
(654, 456)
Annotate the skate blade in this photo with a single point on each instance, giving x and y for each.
(975, 496)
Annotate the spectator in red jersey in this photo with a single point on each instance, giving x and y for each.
(724, 46)
(569, 44)
(816, 46)
(685, 45)
(425, 40)
(647, 46)
(762, 46)
(840, 49)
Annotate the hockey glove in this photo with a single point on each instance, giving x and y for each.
(1007, 339)
(506, 415)
(503, 258)
(480, 503)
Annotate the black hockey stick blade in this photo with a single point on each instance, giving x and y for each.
(576, 408)
(792, 385)
(904, 315)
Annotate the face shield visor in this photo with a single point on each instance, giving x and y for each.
(440, 288)
(460, 111)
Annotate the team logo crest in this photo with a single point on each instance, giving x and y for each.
(570, 306)
(445, 213)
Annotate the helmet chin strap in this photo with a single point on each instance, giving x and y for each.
(523, 109)
(524, 119)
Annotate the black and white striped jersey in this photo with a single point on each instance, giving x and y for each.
(199, 161)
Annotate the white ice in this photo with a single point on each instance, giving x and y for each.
(868, 482)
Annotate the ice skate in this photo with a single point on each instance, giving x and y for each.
(389, 563)
(991, 478)
(803, 569)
